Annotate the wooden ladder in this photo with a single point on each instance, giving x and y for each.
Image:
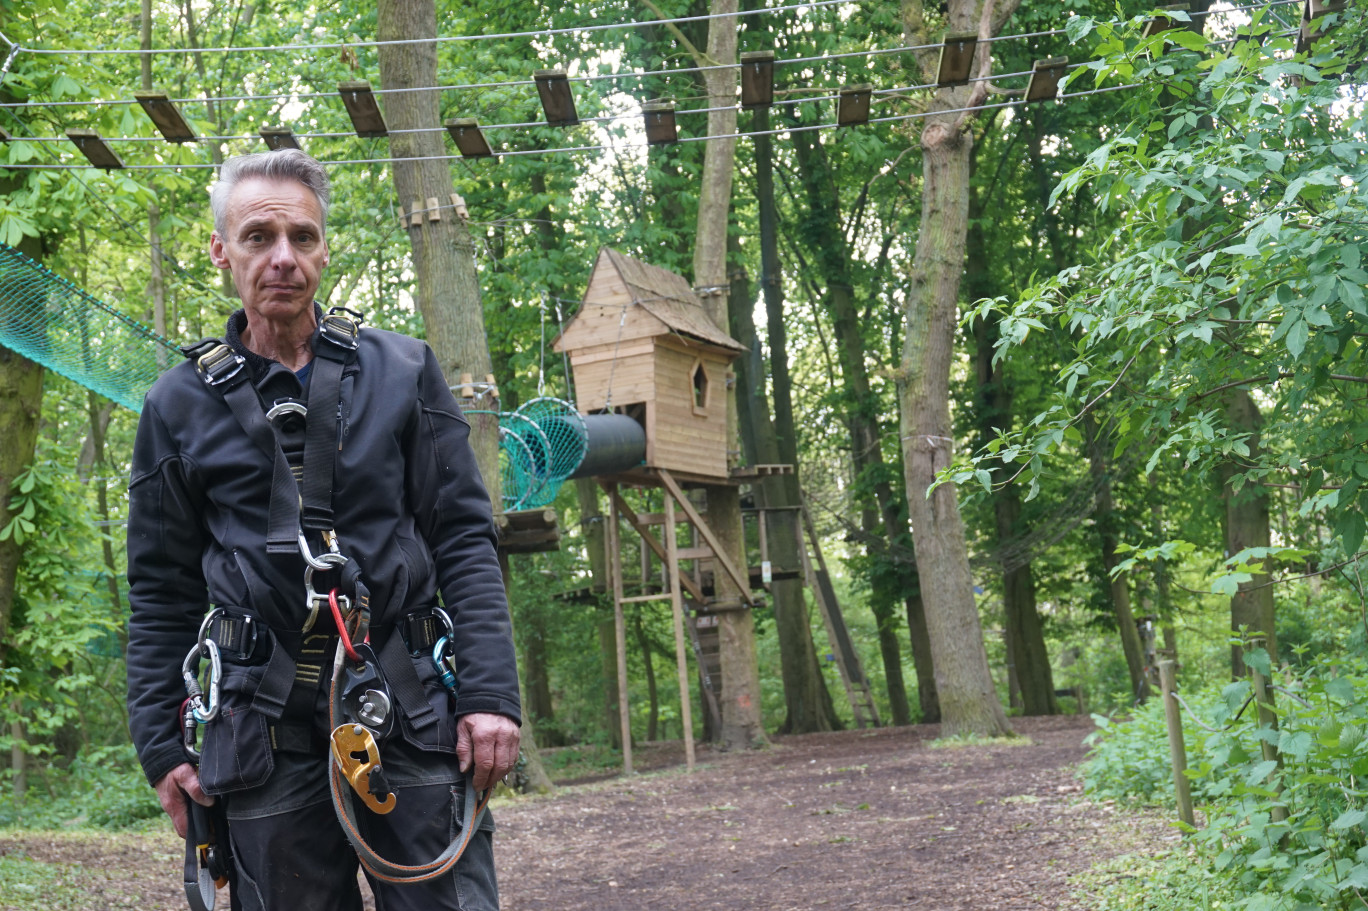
(847, 659)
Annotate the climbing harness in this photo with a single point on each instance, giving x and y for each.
(369, 686)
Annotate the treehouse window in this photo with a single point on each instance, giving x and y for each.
(700, 388)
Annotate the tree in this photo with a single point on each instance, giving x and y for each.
(1236, 270)
(969, 704)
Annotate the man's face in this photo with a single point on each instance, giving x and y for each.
(273, 244)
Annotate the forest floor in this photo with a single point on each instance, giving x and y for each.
(850, 820)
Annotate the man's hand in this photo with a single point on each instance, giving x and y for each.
(488, 743)
(172, 789)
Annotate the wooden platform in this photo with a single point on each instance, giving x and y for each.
(528, 531)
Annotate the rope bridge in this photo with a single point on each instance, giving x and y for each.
(52, 322)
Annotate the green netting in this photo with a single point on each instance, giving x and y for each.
(49, 320)
(540, 445)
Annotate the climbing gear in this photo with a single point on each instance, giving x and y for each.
(370, 686)
(208, 854)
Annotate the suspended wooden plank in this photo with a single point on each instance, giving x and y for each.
(757, 79)
(278, 138)
(956, 59)
(165, 117)
(94, 148)
(660, 123)
(853, 106)
(1045, 78)
(557, 101)
(365, 114)
(470, 142)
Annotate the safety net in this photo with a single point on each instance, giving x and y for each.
(540, 445)
(51, 321)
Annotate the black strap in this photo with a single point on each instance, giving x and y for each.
(404, 684)
(337, 340)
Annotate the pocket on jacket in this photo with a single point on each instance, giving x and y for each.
(236, 750)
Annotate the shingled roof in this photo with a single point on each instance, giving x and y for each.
(668, 297)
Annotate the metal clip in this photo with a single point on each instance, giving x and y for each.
(313, 599)
(323, 563)
(358, 759)
(189, 668)
(441, 652)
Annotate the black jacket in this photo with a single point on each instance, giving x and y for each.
(409, 504)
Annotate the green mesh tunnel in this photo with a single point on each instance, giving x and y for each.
(49, 320)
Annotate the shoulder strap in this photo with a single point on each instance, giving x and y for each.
(225, 371)
(337, 343)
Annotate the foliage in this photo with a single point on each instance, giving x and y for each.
(1237, 266)
(102, 788)
(1282, 834)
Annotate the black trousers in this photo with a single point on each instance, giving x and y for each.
(292, 855)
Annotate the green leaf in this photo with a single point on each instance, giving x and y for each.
(1348, 819)
(1350, 528)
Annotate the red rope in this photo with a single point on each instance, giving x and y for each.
(342, 627)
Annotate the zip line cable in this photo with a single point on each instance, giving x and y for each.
(515, 83)
(607, 118)
(611, 146)
(441, 39)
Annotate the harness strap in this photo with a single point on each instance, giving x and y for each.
(337, 341)
(225, 371)
(404, 684)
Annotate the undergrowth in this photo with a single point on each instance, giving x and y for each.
(103, 788)
(1284, 834)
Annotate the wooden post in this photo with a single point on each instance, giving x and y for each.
(620, 633)
(1263, 702)
(1178, 752)
(677, 611)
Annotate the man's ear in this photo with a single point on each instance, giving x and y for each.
(217, 254)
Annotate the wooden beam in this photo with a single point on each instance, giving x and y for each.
(741, 581)
(165, 116)
(365, 114)
(619, 504)
(757, 79)
(677, 618)
(93, 147)
(620, 637)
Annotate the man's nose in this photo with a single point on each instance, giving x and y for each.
(283, 253)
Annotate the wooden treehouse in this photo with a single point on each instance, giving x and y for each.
(642, 346)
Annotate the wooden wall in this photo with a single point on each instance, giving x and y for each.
(680, 439)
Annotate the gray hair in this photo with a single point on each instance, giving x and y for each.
(282, 164)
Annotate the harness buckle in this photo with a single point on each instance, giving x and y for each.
(341, 327)
(358, 760)
(219, 365)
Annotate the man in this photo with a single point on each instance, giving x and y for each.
(394, 514)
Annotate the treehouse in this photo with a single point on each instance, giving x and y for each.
(642, 345)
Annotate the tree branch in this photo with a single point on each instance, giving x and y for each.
(700, 58)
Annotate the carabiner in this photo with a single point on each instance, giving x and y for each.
(313, 599)
(203, 714)
(326, 561)
(440, 654)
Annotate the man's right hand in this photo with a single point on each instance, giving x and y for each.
(172, 789)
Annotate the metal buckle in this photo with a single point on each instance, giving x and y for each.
(287, 406)
(342, 331)
(220, 364)
(242, 644)
(419, 621)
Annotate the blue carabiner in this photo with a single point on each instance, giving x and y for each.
(444, 671)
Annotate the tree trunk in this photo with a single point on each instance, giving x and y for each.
(882, 518)
(807, 702)
(741, 723)
(591, 519)
(1104, 515)
(448, 292)
(652, 690)
(969, 703)
(1247, 525)
(21, 403)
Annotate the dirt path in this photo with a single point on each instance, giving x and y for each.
(855, 820)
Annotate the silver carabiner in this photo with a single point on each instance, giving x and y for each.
(189, 668)
(313, 599)
(326, 561)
